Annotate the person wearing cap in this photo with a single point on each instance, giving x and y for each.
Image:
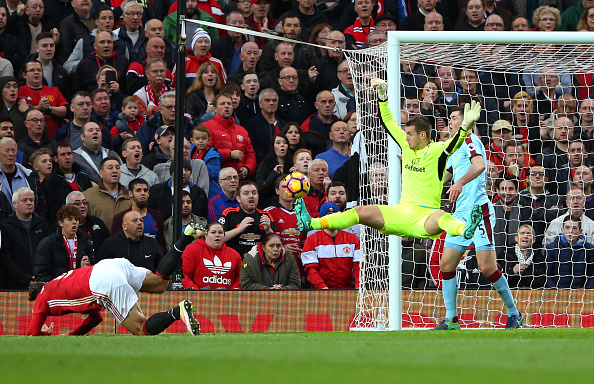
(331, 257)
(90, 155)
(161, 152)
(154, 225)
(109, 197)
(385, 23)
(192, 13)
(501, 131)
(13, 107)
(260, 20)
(161, 195)
(356, 34)
(201, 41)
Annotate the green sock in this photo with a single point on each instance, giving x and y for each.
(453, 226)
(339, 220)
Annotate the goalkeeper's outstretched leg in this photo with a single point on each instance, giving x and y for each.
(401, 220)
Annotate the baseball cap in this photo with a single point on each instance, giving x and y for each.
(257, 1)
(501, 124)
(328, 207)
(185, 164)
(162, 129)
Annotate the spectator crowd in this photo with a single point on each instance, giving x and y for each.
(88, 122)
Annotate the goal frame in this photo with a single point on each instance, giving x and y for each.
(395, 38)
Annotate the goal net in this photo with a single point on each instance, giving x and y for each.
(534, 91)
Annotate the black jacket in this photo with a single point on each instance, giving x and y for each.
(160, 198)
(247, 109)
(19, 246)
(52, 259)
(154, 157)
(96, 229)
(56, 188)
(71, 29)
(261, 132)
(13, 50)
(19, 26)
(33, 183)
(224, 49)
(28, 146)
(142, 253)
(136, 51)
(196, 105)
(292, 106)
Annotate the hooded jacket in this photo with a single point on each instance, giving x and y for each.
(206, 267)
(145, 252)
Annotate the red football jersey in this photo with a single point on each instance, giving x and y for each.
(67, 293)
(286, 224)
(55, 98)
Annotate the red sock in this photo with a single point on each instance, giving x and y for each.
(495, 276)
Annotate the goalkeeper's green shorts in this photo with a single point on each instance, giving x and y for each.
(406, 220)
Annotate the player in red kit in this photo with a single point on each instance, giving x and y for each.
(112, 284)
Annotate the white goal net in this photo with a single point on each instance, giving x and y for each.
(537, 122)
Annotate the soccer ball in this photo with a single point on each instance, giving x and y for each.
(296, 185)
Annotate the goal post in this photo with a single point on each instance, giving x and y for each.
(382, 304)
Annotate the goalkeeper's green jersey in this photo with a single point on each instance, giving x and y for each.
(423, 169)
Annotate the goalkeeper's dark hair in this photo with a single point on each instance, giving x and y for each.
(459, 108)
(421, 124)
(34, 290)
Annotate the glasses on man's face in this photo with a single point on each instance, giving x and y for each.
(37, 120)
(229, 178)
(168, 107)
(290, 78)
(498, 25)
(344, 71)
(134, 14)
(33, 70)
(79, 203)
(534, 173)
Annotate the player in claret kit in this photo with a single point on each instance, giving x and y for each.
(112, 284)
(468, 166)
(423, 168)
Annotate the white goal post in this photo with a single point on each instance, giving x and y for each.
(380, 304)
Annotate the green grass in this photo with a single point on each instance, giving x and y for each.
(479, 356)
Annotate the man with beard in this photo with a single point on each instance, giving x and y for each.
(90, 155)
(187, 217)
(142, 250)
(245, 225)
(154, 224)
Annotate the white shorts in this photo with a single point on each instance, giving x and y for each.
(115, 282)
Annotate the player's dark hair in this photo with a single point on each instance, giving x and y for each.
(247, 182)
(459, 109)
(34, 290)
(67, 211)
(335, 184)
(135, 182)
(108, 158)
(569, 218)
(290, 15)
(421, 124)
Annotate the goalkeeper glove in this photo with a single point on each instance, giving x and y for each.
(472, 112)
(381, 86)
(196, 229)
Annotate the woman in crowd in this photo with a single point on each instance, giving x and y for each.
(432, 106)
(351, 119)
(267, 266)
(318, 36)
(275, 163)
(586, 22)
(205, 259)
(294, 136)
(202, 92)
(112, 87)
(546, 18)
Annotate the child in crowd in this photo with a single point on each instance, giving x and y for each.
(213, 159)
(127, 122)
(41, 160)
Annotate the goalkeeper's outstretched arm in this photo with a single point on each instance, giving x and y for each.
(388, 120)
(472, 113)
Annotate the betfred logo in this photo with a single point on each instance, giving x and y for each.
(216, 267)
(216, 280)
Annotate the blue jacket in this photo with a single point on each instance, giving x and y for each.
(63, 133)
(212, 159)
(570, 266)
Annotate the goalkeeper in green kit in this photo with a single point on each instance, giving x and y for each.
(423, 166)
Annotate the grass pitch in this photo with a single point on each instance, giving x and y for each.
(468, 356)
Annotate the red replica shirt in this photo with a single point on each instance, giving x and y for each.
(204, 266)
(332, 262)
(67, 293)
(286, 224)
(55, 98)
